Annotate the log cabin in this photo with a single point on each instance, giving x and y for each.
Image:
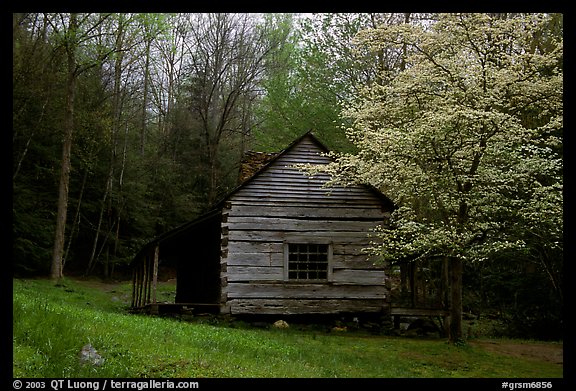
(281, 243)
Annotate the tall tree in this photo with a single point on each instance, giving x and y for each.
(70, 45)
(153, 26)
(317, 72)
(37, 110)
(226, 54)
(71, 31)
(464, 139)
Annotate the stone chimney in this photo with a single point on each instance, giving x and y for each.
(252, 162)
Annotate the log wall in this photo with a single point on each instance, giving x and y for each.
(283, 205)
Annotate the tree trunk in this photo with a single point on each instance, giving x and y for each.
(90, 265)
(56, 269)
(445, 283)
(145, 97)
(107, 199)
(456, 300)
(76, 221)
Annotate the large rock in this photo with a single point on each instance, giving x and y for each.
(280, 324)
(89, 355)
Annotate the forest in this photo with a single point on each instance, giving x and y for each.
(127, 125)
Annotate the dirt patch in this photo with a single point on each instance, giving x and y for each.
(548, 352)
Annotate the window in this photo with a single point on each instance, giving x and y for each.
(308, 261)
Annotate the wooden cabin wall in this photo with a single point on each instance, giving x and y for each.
(283, 204)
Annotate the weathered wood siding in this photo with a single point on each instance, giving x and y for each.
(282, 204)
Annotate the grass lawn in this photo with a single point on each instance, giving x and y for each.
(52, 323)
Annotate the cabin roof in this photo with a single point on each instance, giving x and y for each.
(272, 160)
(254, 173)
(383, 198)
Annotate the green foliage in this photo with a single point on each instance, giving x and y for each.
(305, 86)
(466, 141)
(446, 138)
(52, 323)
(521, 289)
(36, 117)
(120, 191)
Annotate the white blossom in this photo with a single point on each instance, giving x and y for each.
(466, 139)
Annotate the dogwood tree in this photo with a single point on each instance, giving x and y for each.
(466, 139)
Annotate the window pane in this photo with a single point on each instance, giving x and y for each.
(307, 261)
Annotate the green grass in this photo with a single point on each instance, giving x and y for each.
(52, 323)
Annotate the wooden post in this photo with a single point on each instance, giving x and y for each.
(445, 295)
(139, 284)
(134, 272)
(148, 279)
(412, 280)
(141, 274)
(155, 273)
(455, 300)
(145, 290)
(403, 279)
